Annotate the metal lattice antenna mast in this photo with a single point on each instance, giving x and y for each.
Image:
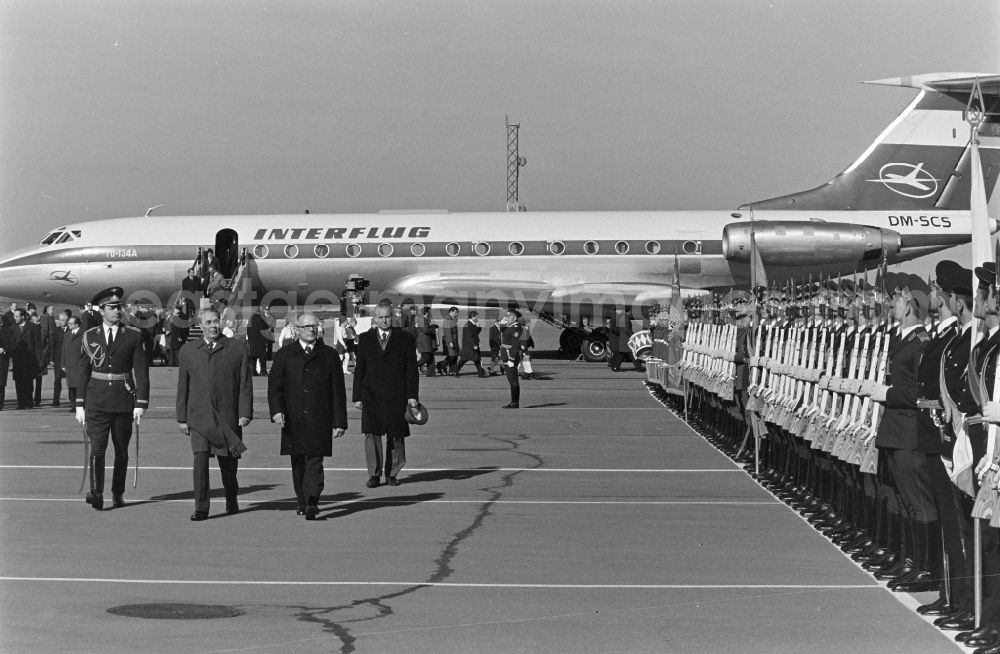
(514, 163)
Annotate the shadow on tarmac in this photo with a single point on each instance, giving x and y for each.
(345, 510)
(449, 475)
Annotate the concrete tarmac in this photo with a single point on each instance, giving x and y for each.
(590, 520)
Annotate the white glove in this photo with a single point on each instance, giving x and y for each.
(81, 416)
(879, 392)
(991, 412)
(137, 415)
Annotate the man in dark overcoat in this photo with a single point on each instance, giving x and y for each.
(449, 342)
(306, 396)
(214, 404)
(70, 359)
(112, 391)
(470, 345)
(619, 331)
(258, 336)
(25, 352)
(385, 381)
(191, 287)
(426, 341)
(55, 354)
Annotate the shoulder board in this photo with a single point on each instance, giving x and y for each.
(93, 329)
(133, 328)
(923, 335)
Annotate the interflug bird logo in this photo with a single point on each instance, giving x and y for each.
(64, 277)
(907, 179)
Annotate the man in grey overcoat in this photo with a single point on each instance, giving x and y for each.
(385, 381)
(214, 403)
(306, 396)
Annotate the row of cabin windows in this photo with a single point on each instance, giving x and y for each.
(481, 249)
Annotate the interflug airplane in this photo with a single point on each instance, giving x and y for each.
(907, 195)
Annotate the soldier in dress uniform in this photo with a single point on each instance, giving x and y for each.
(511, 345)
(975, 396)
(113, 390)
(898, 433)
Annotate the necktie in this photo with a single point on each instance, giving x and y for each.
(385, 337)
(309, 350)
(111, 336)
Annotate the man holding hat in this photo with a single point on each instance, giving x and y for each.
(112, 390)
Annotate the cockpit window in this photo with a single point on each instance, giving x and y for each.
(60, 235)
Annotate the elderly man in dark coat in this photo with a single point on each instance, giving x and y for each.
(259, 334)
(619, 331)
(385, 381)
(214, 404)
(306, 396)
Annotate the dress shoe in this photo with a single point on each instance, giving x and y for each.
(940, 606)
(869, 554)
(512, 405)
(484, 374)
(986, 636)
(373, 482)
(232, 508)
(301, 509)
(198, 516)
(311, 512)
(55, 404)
(900, 568)
(958, 621)
(992, 649)
(919, 582)
(392, 481)
(884, 563)
(95, 500)
(118, 500)
(861, 544)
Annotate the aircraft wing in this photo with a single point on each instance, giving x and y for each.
(467, 283)
(510, 286)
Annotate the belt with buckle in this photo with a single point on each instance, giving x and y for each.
(109, 376)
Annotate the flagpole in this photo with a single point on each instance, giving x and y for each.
(981, 239)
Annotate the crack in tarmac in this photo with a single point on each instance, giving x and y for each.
(325, 616)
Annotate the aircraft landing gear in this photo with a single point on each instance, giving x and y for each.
(594, 350)
(570, 342)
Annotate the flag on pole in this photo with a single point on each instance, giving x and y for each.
(675, 338)
(982, 251)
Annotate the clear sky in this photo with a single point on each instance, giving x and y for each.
(245, 106)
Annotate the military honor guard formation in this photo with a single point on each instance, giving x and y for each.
(873, 411)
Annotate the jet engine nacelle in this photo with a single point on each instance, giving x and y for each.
(802, 243)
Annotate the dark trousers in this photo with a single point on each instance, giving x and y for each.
(23, 386)
(259, 363)
(71, 393)
(463, 361)
(4, 372)
(910, 470)
(428, 359)
(227, 467)
(100, 426)
(515, 383)
(38, 390)
(391, 460)
(307, 478)
(56, 387)
(618, 357)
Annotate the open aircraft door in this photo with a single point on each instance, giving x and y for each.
(227, 251)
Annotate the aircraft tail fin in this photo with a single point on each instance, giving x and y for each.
(921, 161)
